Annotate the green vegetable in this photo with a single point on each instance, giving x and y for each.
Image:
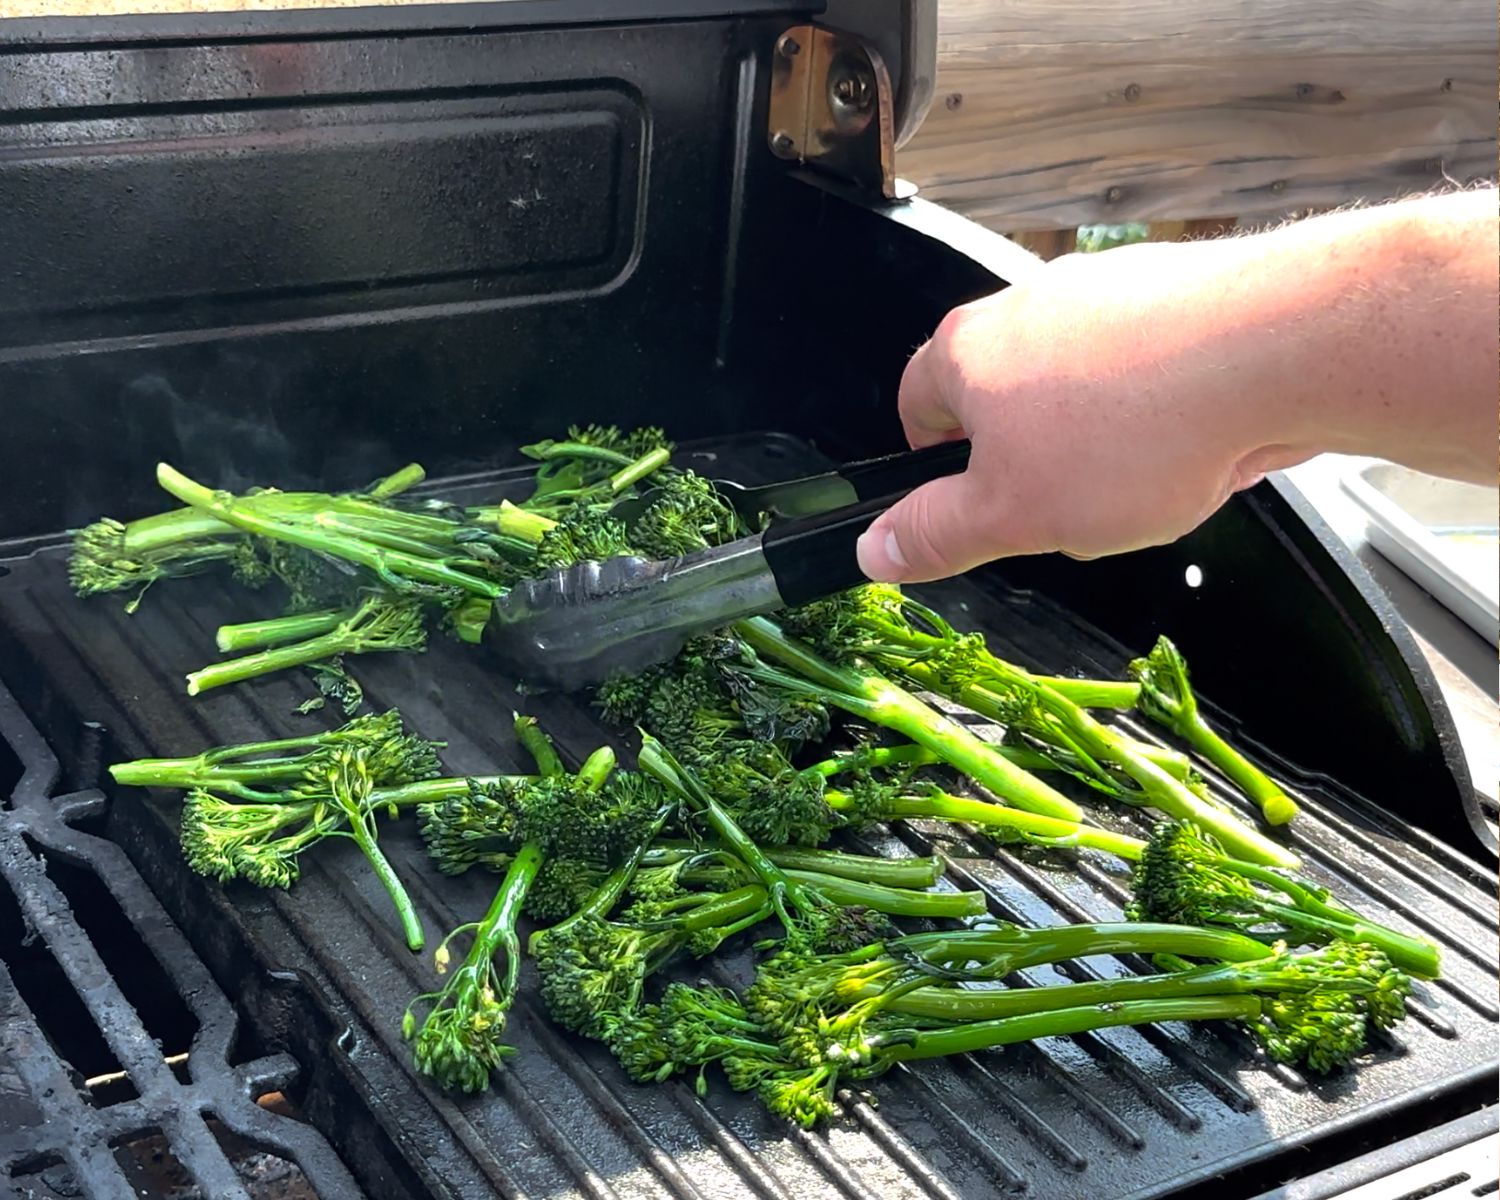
(855, 1015)
(379, 623)
(872, 697)
(1161, 691)
(111, 556)
(882, 625)
(262, 842)
(460, 1042)
(295, 627)
(290, 769)
(808, 916)
(1183, 875)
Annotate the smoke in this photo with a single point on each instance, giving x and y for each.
(244, 426)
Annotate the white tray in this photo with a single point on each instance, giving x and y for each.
(1445, 535)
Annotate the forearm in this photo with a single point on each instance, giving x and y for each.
(1168, 376)
(1371, 331)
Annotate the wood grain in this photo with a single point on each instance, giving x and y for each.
(1053, 115)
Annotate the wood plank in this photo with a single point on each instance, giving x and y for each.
(1056, 115)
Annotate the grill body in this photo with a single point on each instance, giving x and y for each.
(306, 247)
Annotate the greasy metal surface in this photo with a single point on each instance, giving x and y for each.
(831, 108)
(58, 1129)
(1165, 1111)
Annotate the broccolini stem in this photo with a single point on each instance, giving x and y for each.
(1277, 807)
(250, 762)
(1162, 791)
(148, 534)
(892, 872)
(1005, 823)
(361, 830)
(397, 482)
(849, 893)
(242, 515)
(536, 743)
(958, 1005)
(888, 872)
(230, 779)
(265, 662)
(376, 536)
(424, 526)
(1415, 955)
(1310, 911)
(583, 450)
(1093, 693)
(876, 699)
(497, 931)
(740, 908)
(895, 902)
(878, 758)
(250, 635)
(349, 780)
(657, 762)
(648, 463)
(515, 522)
(1168, 794)
(597, 768)
(1188, 724)
(379, 623)
(984, 953)
(1061, 1022)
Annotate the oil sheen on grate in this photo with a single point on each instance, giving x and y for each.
(320, 972)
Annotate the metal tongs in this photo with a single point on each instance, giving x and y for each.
(583, 624)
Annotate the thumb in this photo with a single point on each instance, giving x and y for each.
(937, 531)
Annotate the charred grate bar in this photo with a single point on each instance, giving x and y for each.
(321, 973)
(98, 1061)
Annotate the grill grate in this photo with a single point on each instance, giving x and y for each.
(322, 975)
(59, 1128)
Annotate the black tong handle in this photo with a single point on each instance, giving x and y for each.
(813, 557)
(878, 477)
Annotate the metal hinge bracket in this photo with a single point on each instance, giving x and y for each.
(831, 108)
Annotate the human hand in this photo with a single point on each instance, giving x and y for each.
(1109, 405)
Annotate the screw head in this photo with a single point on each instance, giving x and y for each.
(1114, 195)
(1304, 90)
(852, 89)
(782, 142)
(1278, 186)
(1132, 92)
(788, 46)
(1447, 85)
(953, 100)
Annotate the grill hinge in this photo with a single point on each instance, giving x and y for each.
(831, 108)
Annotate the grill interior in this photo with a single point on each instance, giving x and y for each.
(315, 979)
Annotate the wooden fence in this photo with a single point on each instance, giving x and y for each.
(1052, 114)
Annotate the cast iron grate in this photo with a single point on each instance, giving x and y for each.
(118, 1078)
(320, 972)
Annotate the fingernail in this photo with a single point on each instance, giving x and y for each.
(880, 556)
